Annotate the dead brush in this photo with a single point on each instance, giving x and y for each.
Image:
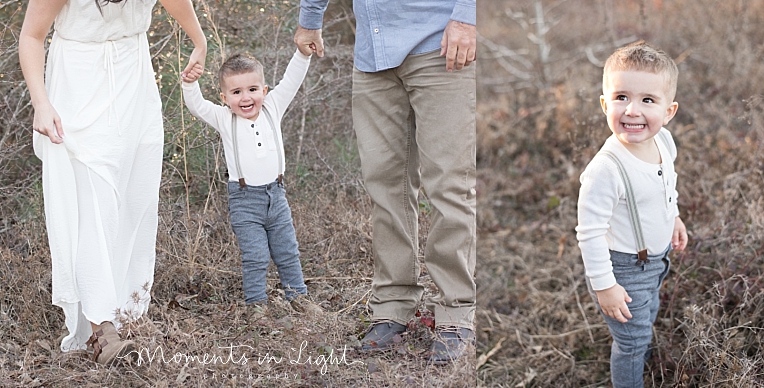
(197, 307)
(724, 344)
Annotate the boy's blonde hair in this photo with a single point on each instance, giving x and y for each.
(239, 63)
(641, 56)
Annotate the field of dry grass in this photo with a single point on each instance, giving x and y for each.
(539, 123)
(197, 309)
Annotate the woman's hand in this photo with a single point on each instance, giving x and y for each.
(47, 122)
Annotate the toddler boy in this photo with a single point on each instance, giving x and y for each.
(628, 218)
(250, 127)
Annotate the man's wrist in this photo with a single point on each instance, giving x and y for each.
(464, 12)
(311, 15)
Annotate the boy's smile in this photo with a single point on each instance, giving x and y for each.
(244, 93)
(637, 106)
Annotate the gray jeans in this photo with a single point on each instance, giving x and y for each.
(631, 340)
(262, 222)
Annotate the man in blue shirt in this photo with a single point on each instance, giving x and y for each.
(414, 117)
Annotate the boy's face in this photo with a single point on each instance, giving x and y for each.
(244, 93)
(636, 105)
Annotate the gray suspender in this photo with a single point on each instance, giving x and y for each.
(631, 204)
(268, 116)
(664, 138)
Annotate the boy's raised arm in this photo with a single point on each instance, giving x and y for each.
(281, 96)
(207, 111)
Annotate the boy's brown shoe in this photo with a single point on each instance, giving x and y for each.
(255, 311)
(303, 305)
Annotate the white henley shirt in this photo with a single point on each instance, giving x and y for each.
(603, 218)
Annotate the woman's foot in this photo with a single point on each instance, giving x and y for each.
(107, 346)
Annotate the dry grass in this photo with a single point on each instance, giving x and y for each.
(197, 306)
(540, 123)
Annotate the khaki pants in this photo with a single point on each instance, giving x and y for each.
(416, 129)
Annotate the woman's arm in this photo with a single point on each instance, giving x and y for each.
(38, 19)
(183, 12)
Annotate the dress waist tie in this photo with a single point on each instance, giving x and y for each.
(110, 56)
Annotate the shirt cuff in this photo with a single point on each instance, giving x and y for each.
(188, 85)
(603, 282)
(464, 12)
(302, 56)
(312, 14)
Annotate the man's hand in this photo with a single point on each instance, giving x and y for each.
(309, 41)
(679, 237)
(459, 45)
(613, 303)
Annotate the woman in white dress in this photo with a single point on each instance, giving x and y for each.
(98, 124)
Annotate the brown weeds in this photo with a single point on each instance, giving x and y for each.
(539, 123)
(197, 309)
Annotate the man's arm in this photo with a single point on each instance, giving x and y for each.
(459, 43)
(308, 35)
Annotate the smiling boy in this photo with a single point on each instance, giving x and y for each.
(250, 127)
(628, 218)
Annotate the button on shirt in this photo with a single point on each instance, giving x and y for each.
(389, 30)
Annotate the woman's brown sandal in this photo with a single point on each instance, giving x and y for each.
(107, 345)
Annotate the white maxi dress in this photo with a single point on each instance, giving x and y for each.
(101, 186)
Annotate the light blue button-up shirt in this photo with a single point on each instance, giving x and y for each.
(389, 30)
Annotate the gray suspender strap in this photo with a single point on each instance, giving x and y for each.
(276, 139)
(268, 116)
(664, 138)
(236, 150)
(631, 204)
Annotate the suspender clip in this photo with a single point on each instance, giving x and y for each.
(642, 257)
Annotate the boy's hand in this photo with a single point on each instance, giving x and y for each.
(193, 74)
(195, 63)
(613, 303)
(679, 238)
